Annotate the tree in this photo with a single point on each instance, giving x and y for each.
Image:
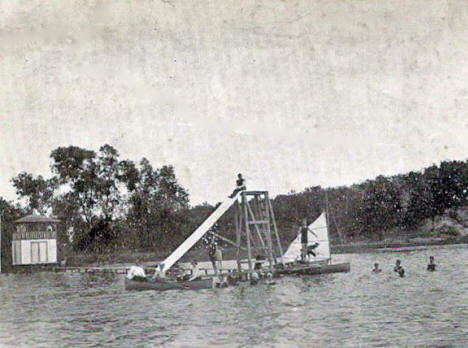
(10, 213)
(453, 176)
(437, 203)
(74, 226)
(108, 195)
(380, 206)
(420, 199)
(37, 191)
(76, 168)
(95, 183)
(157, 205)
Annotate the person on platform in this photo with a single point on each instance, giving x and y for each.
(258, 263)
(311, 250)
(240, 185)
(195, 271)
(159, 272)
(221, 281)
(399, 269)
(305, 238)
(376, 268)
(219, 257)
(431, 267)
(137, 273)
(270, 280)
(212, 247)
(254, 278)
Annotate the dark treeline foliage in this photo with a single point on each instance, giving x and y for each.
(365, 211)
(106, 203)
(109, 204)
(9, 213)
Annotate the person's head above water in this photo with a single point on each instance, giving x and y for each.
(376, 265)
(431, 258)
(239, 176)
(398, 262)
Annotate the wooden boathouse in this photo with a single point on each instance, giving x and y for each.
(35, 241)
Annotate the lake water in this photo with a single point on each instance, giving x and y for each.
(357, 309)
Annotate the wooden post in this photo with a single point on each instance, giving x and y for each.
(247, 230)
(268, 233)
(327, 213)
(1, 213)
(255, 225)
(326, 208)
(328, 223)
(238, 235)
(272, 214)
(227, 240)
(257, 208)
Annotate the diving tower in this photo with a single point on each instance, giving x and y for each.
(255, 228)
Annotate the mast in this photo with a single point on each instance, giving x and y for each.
(328, 221)
(326, 208)
(338, 232)
(1, 213)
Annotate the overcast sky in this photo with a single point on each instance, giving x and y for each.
(291, 93)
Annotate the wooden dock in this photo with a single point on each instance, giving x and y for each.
(99, 269)
(122, 270)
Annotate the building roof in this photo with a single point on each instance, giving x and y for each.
(36, 218)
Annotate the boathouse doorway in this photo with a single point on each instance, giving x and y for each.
(35, 241)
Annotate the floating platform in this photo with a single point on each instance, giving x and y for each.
(236, 278)
(314, 269)
(99, 269)
(124, 269)
(160, 285)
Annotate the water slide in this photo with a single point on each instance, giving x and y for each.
(199, 233)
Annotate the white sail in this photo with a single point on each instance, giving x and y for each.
(319, 227)
(199, 233)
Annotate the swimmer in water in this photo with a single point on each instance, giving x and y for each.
(270, 280)
(254, 277)
(376, 268)
(400, 270)
(431, 267)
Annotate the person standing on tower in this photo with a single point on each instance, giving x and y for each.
(240, 185)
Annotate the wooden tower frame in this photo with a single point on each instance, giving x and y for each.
(254, 221)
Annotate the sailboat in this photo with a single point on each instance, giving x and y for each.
(313, 264)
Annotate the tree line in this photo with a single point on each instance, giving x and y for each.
(367, 210)
(106, 203)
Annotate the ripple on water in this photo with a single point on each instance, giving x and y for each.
(346, 310)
